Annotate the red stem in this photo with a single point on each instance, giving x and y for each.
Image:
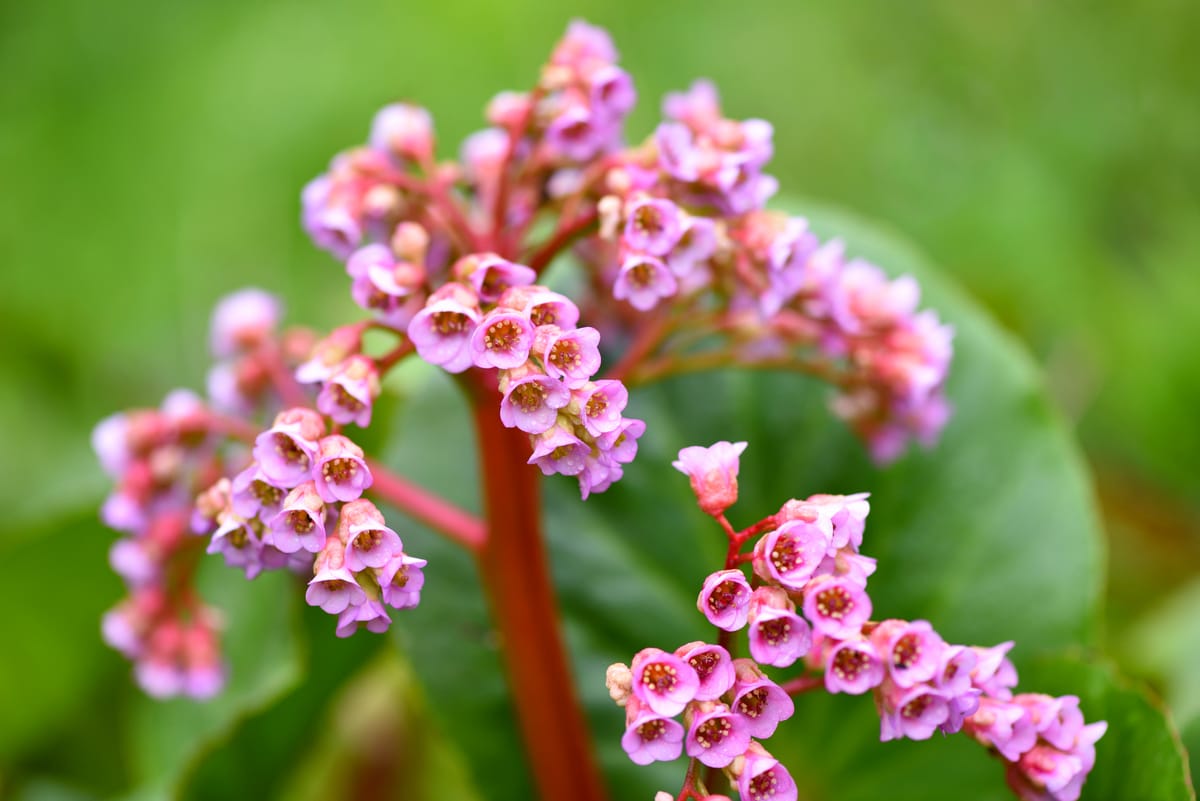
(437, 513)
(561, 237)
(517, 580)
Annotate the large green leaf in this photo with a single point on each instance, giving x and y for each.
(991, 536)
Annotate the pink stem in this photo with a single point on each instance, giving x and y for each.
(435, 512)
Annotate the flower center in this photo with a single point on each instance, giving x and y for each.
(648, 220)
(641, 275)
(565, 355)
(289, 451)
(723, 596)
(300, 522)
(345, 400)
(785, 556)
(850, 663)
(651, 730)
(916, 707)
(777, 631)
(265, 493)
(596, 405)
(339, 470)
(713, 731)
(704, 664)
(447, 323)
(502, 335)
(659, 678)
(543, 314)
(528, 397)
(907, 651)
(753, 703)
(834, 602)
(763, 786)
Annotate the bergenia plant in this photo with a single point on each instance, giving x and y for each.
(675, 265)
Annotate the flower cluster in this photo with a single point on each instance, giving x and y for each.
(297, 505)
(807, 599)
(157, 457)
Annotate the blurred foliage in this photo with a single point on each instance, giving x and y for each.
(1046, 155)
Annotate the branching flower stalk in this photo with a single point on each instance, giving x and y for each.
(677, 266)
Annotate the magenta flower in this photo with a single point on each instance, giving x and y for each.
(761, 701)
(846, 516)
(644, 281)
(340, 472)
(915, 713)
(239, 543)
(286, 451)
(713, 473)
(663, 681)
(725, 599)
(531, 403)
(1002, 725)
(559, 451)
(573, 355)
(1046, 773)
(611, 93)
(369, 543)
(550, 308)
(254, 495)
(349, 394)
(370, 614)
(600, 405)
(1058, 721)
(492, 276)
(763, 778)
(243, 320)
(300, 524)
(778, 636)
(575, 135)
(110, 441)
(403, 131)
(838, 607)
(911, 651)
(713, 666)
(441, 333)
(652, 226)
(791, 554)
(401, 580)
(620, 444)
(697, 243)
(650, 736)
(716, 736)
(853, 666)
(502, 340)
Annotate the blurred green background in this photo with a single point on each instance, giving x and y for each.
(1047, 156)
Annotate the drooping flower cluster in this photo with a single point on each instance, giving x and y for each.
(807, 600)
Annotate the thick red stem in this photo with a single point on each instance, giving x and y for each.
(516, 576)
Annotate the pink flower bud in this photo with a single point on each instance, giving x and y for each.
(713, 472)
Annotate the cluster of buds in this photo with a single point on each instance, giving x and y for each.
(806, 599)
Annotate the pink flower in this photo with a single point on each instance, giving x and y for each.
(911, 651)
(531, 403)
(401, 580)
(763, 779)
(663, 681)
(761, 701)
(600, 405)
(442, 331)
(791, 554)
(348, 395)
(243, 320)
(491, 276)
(404, 131)
(778, 636)
(370, 614)
(725, 599)
(559, 451)
(1002, 725)
(853, 666)
(285, 452)
(333, 587)
(652, 226)
(369, 543)
(713, 666)
(715, 735)
(837, 607)
(573, 356)
(713, 472)
(502, 340)
(650, 736)
(300, 524)
(340, 473)
(915, 712)
(994, 674)
(644, 280)
(254, 494)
